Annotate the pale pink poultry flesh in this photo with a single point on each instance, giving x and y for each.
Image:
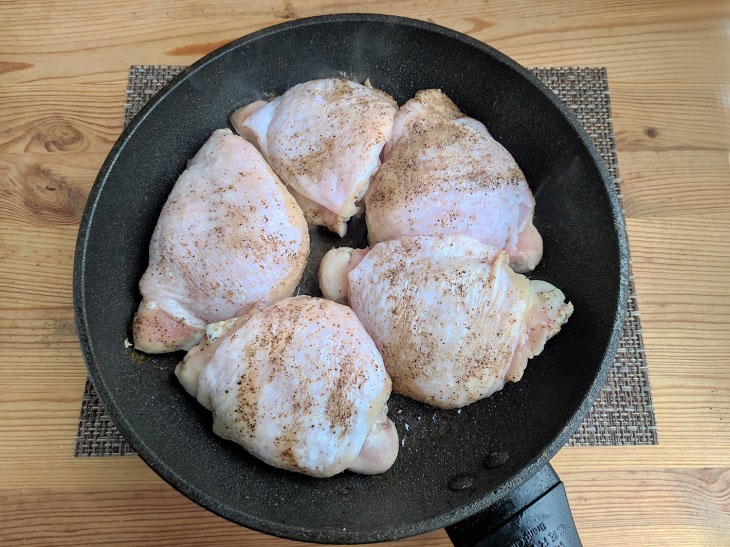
(229, 237)
(324, 139)
(300, 385)
(443, 173)
(452, 320)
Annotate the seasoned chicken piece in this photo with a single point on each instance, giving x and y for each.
(324, 139)
(443, 173)
(229, 237)
(452, 320)
(300, 385)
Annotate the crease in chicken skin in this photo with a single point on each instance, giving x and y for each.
(451, 319)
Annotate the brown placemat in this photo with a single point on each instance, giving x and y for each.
(622, 415)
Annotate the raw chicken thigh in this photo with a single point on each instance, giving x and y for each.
(300, 385)
(229, 237)
(452, 320)
(324, 139)
(443, 173)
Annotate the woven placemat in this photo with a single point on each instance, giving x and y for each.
(622, 415)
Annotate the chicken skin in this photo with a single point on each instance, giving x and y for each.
(300, 385)
(451, 319)
(324, 139)
(443, 173)
(229, 237)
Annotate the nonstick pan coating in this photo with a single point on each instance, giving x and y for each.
(585, 255)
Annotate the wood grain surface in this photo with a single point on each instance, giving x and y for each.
(63, 68)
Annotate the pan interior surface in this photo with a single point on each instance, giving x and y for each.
(584, 256)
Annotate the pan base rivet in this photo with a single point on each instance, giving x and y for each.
(496, 458)
(462, 481)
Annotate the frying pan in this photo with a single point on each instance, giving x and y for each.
(487, 461)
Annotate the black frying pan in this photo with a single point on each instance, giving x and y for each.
(452, 465)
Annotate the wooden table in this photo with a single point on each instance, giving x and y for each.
(63, 69)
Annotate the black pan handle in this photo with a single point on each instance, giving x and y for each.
(536, 514)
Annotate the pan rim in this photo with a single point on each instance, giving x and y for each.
(336, 535)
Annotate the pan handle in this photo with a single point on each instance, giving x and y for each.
(535, 514)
